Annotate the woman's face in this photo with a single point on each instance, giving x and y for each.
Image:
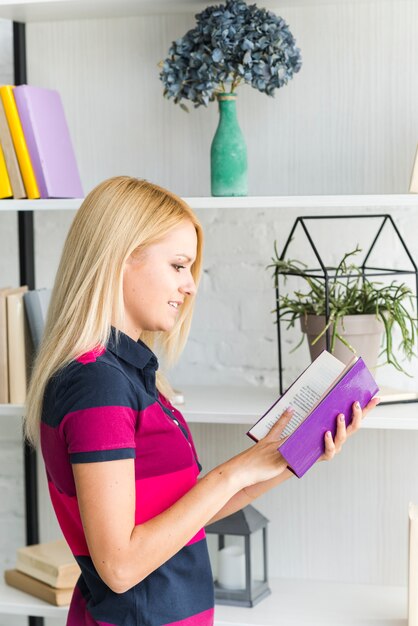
(156, 283)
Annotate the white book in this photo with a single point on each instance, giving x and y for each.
(413, 566)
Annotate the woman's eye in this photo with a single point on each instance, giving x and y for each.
(179, 267)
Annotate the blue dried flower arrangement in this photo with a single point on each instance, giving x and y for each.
(230, 44)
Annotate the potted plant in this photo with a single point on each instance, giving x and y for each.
(362, 312)
(231, 44)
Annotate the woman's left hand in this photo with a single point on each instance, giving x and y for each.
(333, 446)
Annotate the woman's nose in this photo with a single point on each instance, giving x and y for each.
(189, 287)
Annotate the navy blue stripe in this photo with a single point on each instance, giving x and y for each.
(180, 588)
(102, 455)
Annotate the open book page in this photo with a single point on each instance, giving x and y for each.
(305, 393)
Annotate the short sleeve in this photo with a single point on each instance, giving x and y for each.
(99, 415)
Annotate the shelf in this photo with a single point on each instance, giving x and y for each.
(35, 11)
(71, 204)
(45, 10)
(245, 405)
(292, 602)
(311, 603)
(249, 202)
(15, 602)
(305, 202)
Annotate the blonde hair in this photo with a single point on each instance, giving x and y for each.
(119, 216)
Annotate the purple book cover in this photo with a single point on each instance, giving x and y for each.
(48, 139)
(306, 444)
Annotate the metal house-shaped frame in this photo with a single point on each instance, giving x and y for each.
(326, 273)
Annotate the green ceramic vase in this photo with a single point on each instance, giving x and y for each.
(228, 153)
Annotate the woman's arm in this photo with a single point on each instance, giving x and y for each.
(124, 553)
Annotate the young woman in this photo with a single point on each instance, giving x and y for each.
(120, 461)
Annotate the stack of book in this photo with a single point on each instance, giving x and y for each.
(46, 570)
(22, 320)
(37, 159)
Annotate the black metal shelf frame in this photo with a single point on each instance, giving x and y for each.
(27, 277)
(326, 273)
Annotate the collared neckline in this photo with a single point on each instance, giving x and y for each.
(137, 353)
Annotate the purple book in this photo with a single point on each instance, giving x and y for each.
(305, 444)
(48, 139)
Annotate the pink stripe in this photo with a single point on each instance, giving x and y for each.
(157, 493)
(92, 356)
(179, 416)
(157, 431)
(99, 428)
(198, 537)
(68, 514)
(206, 618)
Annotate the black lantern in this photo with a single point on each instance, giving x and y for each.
(236, 583)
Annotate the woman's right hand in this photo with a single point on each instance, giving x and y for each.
(262, 461)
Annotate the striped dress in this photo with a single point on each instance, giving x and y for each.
(105, 406)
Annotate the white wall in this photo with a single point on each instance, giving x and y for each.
(347, 123)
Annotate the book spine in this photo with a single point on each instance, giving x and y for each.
(38, 589)
(5, 186)
(17, 348)
(16, 131)
(306, 444)
(4, 369)
(12, 165)
(35, 564)
(32, 141)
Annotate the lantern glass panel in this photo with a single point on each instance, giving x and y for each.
(257, 556)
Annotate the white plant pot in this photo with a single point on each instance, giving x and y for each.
(363, 332)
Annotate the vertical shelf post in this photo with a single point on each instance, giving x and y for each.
(27, 277)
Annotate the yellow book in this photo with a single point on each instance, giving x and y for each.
(5, 186)
(19, 142)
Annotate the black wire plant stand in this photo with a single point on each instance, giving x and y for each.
(327, 273)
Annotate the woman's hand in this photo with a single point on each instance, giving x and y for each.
(262, 461)
(334, 446)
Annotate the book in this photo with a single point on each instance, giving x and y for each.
(18, 580)
(49, 143)
(52, 563)
(4, 368)
(413, 566)
(5, 186)
(19, 345)
(12, 165)
(36, 306)
(19, 142)
(326, 388)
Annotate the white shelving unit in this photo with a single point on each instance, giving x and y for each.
(244, 405)
(348, 605)
(249, 202)
(292, 603)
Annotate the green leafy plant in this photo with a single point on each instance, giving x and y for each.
(350, 293)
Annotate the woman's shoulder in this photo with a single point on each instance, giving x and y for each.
(85, 383)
